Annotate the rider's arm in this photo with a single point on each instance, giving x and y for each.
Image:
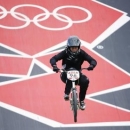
(89, 59)
(57, 57)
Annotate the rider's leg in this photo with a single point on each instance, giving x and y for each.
(68, 83)
(84, 83)
(68, 87)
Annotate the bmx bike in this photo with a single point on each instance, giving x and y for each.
(73, 75)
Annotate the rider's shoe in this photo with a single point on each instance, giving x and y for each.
(66, 97)
(82, 105)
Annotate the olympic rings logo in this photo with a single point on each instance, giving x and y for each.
(45, 15)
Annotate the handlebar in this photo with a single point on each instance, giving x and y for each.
(84, 69)
(63, 70)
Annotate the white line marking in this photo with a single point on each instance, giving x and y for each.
(55, 124)
(30, 68)
(113, 64)
(30, 115)
(108, 104)
(24, 78)
(14, 50)
(99, 124)
(85, 44)
(89, 96)
(126, 86)
(52, 50)
(115, 26)
(109, 6)
(43, 66)
(12, 75)
(13, 56)
(62, 44)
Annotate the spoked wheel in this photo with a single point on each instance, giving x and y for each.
(74, 94)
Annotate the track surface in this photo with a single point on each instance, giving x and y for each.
(31, 94)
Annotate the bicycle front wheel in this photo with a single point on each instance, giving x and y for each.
(74, 95)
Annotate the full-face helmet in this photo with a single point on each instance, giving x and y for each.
(73, 41)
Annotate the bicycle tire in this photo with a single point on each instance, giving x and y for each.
(74, 95)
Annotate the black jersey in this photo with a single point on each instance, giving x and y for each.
(75, 62)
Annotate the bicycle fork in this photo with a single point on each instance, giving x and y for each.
(71, 96)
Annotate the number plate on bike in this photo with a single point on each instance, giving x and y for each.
(73, 75)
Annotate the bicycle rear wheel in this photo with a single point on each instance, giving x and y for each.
(74, 96)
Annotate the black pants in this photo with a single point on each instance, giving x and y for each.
(83, 82)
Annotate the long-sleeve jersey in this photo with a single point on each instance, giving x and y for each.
(76, 62)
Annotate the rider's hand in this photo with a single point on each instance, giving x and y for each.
(55, 68)
(91, 67)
